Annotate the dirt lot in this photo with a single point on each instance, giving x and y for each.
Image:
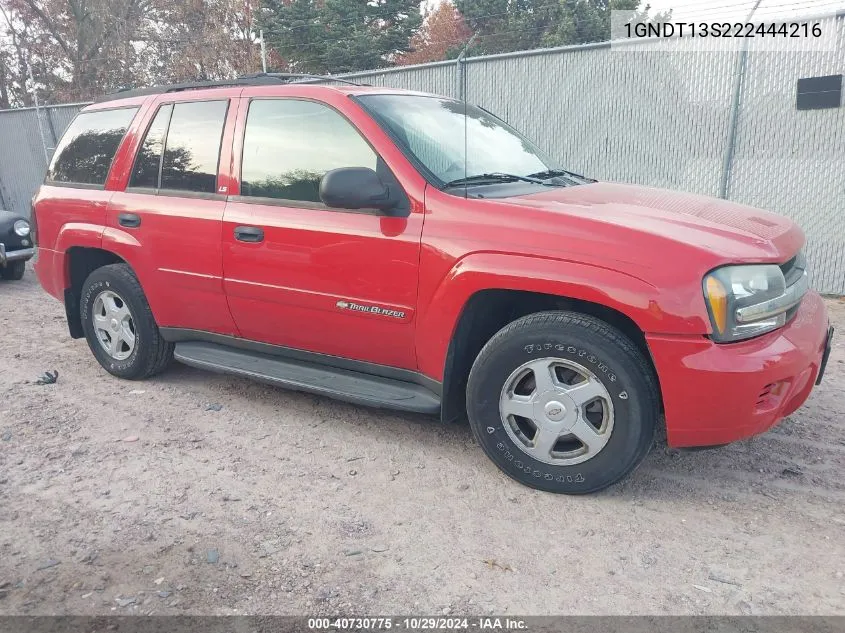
(235, 497)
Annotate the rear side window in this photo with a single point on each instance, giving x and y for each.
(290, 144)
(192, 146)
(148, 162)
(181, 149)
(85, 153)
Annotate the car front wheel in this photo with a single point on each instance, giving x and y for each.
(13, 271)
(563, 402)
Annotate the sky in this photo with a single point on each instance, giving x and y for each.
(717, 10)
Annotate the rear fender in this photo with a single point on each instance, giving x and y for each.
(75, 234)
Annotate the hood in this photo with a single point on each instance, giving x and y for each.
(727, 229)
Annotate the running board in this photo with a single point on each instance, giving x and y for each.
(298, 375)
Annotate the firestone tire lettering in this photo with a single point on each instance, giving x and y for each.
(616, 363)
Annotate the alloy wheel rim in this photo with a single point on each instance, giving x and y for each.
(114, 325)
(556, 411)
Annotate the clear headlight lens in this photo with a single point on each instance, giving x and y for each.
(21, 228)
(746, 301)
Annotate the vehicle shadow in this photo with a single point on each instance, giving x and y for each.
(786, 461)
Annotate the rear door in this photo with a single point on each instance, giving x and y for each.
(169, 217)
(75, 191)
(302, 275)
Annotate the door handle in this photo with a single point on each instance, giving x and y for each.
(249, 234)
(129, 220)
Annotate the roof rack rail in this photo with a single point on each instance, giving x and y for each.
(288, 77)
(254, 79)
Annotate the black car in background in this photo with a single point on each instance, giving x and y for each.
(15, 245)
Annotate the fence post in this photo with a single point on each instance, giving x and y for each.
(739, 82)
(3, 206)
(48, 111)
(459, 79)
(460, 67)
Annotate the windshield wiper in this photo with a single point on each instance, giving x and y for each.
(558, 173)
(494, 177)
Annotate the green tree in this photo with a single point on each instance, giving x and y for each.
(335, 36)
(504, 25)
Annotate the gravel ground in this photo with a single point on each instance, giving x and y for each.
(203, 494)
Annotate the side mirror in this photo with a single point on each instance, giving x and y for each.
(356, 188)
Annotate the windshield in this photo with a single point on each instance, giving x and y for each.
(431, 130)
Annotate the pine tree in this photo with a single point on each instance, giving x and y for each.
(336, 36)
(505, 25)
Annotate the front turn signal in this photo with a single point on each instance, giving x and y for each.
(717, 299)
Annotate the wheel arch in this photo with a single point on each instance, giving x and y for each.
(488, 311)
(490, 297)
(81, 261)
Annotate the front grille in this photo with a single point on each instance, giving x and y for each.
(790, 314)
(793, 271)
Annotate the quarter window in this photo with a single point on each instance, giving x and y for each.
(192, 146)
(85, 153)
(148, 163)
(290, 144)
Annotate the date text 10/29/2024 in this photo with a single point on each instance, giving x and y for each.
(422, 623)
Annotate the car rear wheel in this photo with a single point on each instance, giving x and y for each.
(119, 324)
(563, 402)
(13, 271)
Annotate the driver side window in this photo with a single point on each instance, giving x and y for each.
(289, 145)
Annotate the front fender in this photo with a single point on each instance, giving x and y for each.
(652, 309)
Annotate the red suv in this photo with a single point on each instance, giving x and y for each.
(408, 251)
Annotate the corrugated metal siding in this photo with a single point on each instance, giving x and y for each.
(22, 159)
(652, 117)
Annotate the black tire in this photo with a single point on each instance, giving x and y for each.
(13, 271)
(609, 355)
(151, 353)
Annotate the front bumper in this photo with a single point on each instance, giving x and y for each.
(719, 393)
(13, 256)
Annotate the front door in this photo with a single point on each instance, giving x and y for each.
(299, 274)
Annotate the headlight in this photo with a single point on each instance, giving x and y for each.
(21, 228)
(746, 301)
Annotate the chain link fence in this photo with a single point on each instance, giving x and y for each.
(27, 139)
(661, 118)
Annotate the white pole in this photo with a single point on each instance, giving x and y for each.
(263, 52)
(38, 113)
